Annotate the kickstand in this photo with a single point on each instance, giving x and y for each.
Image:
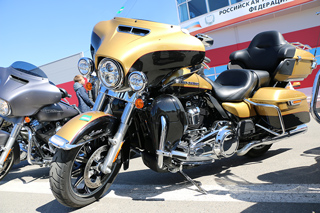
(195, 183)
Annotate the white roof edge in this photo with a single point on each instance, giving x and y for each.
(81, 54)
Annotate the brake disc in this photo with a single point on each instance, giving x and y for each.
(93, 177)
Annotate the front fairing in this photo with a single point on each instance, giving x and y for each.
(145, 45)
(26, 91)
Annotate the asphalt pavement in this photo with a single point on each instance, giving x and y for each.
(285, 179)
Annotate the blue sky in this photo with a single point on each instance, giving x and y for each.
(42, 31)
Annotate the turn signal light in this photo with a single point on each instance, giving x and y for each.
(88, 86)
(296, 102)
(139, 103)
(27, 119)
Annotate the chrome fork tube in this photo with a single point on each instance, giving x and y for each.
(100, 99)
(13, 136)
(117, 140)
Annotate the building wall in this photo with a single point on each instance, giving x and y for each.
(62, 72)
(297, 23)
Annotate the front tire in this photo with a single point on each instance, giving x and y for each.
(75, 179)
(7, 165)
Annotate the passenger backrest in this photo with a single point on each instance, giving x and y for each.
(265, 52)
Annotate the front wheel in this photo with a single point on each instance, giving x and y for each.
(75, 178)
(7, 165)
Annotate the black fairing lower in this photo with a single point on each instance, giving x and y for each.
(156, 65)
(172, 110)
(55, 112)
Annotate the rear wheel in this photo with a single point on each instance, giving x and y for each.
(258, 151)
(75, 178)
(7, 165)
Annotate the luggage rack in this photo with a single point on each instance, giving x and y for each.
(279, 116)
(301, 46)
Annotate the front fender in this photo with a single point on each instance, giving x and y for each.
(94, 124)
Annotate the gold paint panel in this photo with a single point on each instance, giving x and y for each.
(127, 48)
(241, 109)
(75, 125)
(279, 97)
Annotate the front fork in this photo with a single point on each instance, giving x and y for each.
(11, 140)
(117, 140)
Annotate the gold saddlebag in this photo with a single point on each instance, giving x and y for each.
(292, 104)
(296, 68)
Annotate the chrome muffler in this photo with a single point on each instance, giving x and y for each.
(298, 130)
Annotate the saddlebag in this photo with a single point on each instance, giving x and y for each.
(292, 104)
(296, 68)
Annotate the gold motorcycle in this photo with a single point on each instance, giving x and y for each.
(155, 99)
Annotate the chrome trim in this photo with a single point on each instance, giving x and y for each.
(61, 143)
(11, 140)
(121, 78)
(144, 79)
(117, 139)
(100, 99)
(314, 65)
(291, 103)
(90, 62)
(295, 79)
(125, 96)
(314, 98)
(279, 116)
(298, 130)
(163, 135)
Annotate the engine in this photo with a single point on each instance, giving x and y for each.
(206, 136)
(188, 131)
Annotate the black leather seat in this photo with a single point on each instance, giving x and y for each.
(237, 84)
(265, 52)
(252, 68)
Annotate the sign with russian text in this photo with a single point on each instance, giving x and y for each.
(234, 13)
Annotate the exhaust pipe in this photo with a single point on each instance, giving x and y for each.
(298, 130)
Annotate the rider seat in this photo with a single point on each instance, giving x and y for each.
(237, 84)
(254, 67)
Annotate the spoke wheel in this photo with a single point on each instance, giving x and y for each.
(75, 178)
(7, 165)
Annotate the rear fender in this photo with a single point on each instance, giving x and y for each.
(94, 124)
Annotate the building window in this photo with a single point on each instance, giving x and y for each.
(197, 8)
(189, 9)
(217, 4)
(183, 10)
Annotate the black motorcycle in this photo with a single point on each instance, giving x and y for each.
(31, 112)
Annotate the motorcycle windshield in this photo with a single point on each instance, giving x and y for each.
(164, 11)
(28, 68)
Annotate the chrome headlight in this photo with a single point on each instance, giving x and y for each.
(137, 81)
(4, 108)
(85, 66)
(110, 73)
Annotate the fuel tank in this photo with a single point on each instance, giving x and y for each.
(55, 112)
(192, 85)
